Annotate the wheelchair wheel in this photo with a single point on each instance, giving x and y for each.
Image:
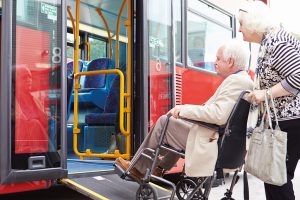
(227, 198)
(146, 191)
(184, 189)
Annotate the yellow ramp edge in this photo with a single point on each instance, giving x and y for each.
(83, 190)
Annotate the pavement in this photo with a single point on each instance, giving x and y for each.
(256, 188)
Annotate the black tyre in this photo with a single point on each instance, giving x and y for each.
(185, 187)
(227, 198)
(146, 191)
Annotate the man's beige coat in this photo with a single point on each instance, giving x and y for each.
(201, 147)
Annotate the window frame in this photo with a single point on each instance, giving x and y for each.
(210, 19)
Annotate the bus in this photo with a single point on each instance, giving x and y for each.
(82, 82)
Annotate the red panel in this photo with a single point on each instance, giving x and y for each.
(198, 86)
(32, 85)
(160, 98)
(22, 187)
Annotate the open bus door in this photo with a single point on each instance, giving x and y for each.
(90, 175)
(32, 94)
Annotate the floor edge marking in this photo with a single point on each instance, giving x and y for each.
(84, 188)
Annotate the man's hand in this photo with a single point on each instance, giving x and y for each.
(175, 111)
(257, 96)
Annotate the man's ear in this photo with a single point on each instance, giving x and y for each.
(231, 62)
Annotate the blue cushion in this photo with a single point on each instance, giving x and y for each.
(97, 81)
(100, 119)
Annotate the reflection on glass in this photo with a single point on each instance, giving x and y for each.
(31, 115)
(36, 86)
(204, 38)
(160, 70)
(159, 29)
(209, 11)
(177, 27)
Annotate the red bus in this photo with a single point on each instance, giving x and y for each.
(77, 92)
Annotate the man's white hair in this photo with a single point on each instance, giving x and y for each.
(258, 17)
(238, 51)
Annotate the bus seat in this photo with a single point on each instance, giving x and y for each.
(70, 66)
(108, 116)
(99, 80)
(103, 125)
(95, 88)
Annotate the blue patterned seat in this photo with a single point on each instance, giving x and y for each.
(70, 66)
(99, 80)
(110, 115)
(95, 88)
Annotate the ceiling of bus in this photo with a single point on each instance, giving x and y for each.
(110, 10)
(113, 6)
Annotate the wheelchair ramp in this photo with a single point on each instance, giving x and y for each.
(110, 186)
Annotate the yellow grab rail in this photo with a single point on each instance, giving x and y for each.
(76, 130)
(129, 67)
(88, 49)
(123, 110)
(108, 31)
(88, 152)
(71, 18)
(118, 34)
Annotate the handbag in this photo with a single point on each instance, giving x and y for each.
(266, 157)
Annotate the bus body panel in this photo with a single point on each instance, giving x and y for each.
(22, 187)
(198, 86)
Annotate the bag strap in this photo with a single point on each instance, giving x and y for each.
(267, 101)
(268, 112)
(274, 109)
(246, 186)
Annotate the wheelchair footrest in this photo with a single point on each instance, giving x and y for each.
(120, 172)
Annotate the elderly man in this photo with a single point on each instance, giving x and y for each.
(199, 143)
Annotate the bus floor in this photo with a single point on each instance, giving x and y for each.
(96, 179)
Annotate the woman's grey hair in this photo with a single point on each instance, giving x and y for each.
(237, 50)
(257, 17)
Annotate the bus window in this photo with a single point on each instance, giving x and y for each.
(70, 46)
(204, 37)
(177, 28)
(98, 48)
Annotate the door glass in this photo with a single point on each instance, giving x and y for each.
(160, 72)
(204, 38)
(36, 87)
(177, 30)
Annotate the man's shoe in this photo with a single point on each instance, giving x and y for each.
(218, 182)
(134, 173)
(158, 171)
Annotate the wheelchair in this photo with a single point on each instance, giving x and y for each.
(231, 155)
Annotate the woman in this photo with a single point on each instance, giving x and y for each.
(278, 68)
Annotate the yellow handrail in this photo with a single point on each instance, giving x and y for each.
(76, 130)
(71, 18)
(77, 86)
(88, 152)
(129, 67)
(88, 49)
(118, 34)
(108, 31)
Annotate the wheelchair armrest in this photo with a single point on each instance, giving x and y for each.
(204, 124)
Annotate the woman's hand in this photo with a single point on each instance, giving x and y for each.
(175, 111)
(257, 96)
